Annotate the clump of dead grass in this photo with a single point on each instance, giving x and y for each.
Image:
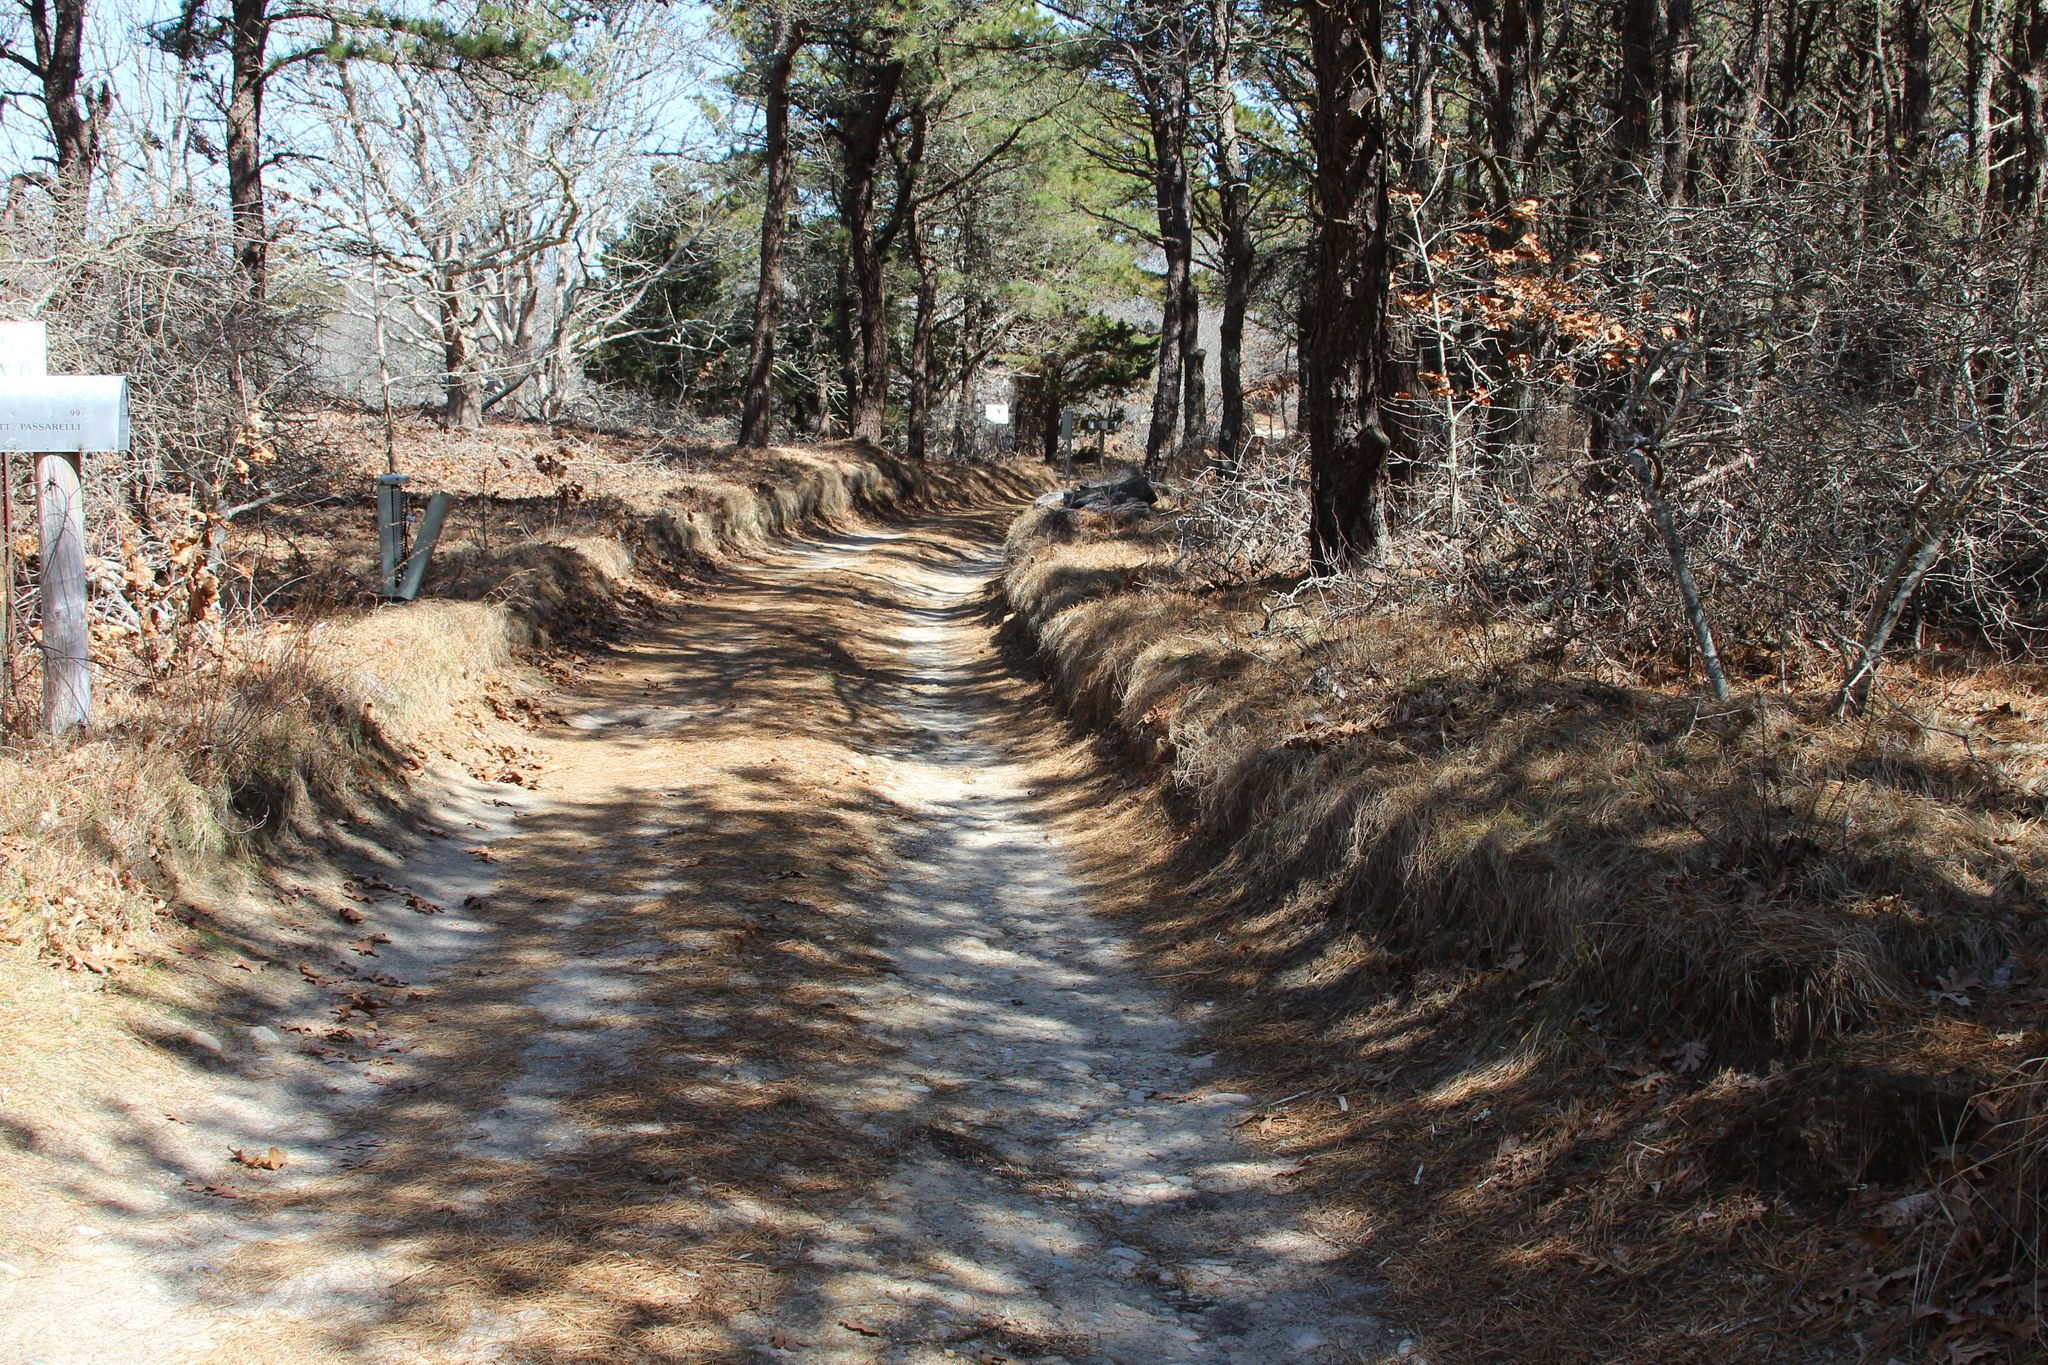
(1751, 963)
(1758, 873)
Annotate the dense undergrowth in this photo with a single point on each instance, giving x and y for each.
(310, 698)
(1704, 1029)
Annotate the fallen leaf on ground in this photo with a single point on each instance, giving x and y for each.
(350, 915)
(270, 1159)
(215, 1191)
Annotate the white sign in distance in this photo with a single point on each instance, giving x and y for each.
(64, 414)
(998, 414)
(24, 350)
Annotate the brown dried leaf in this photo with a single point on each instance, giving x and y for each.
(269, 1159)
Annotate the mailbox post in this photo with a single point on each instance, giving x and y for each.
(58, 418)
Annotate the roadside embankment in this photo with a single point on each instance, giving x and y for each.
(1633, 1029)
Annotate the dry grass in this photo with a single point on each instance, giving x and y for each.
(1644, 1013)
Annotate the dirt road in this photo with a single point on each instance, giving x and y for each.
(776, 1025)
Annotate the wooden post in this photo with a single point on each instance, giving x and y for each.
(67, 635)
(391, 538)
(56, 419)
(6, 579)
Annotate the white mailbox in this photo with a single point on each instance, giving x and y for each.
(69, 414)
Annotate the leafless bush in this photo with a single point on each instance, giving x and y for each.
(210, 378)
(1773, 429)
(1243, 522)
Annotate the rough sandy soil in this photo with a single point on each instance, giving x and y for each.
(776, 1025)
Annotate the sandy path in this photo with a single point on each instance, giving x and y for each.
(1079, 1184)
(777, 1027)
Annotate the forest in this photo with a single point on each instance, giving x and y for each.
(1486, 281)
(1592, 562)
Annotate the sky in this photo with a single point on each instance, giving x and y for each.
(158, 108)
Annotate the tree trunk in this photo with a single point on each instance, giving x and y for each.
(1916, 92)
(869, 400)
(1510, 38)
(963, 407)
(462, 408)
(867, 255)
(1167, 110)
(1159, 433)
(843, 310)
(1681, 562)
(922, 332)
(1234, 202)
(1742, 149)
(1635, 88)
(1344, 341)
(971, 322)
(249, 44)
(1987, 22)
(1679, 46)
(757, 420)
(1424, 157)
(1931, 525)
(59, 33)
(2027, 178)
(1794, 67)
